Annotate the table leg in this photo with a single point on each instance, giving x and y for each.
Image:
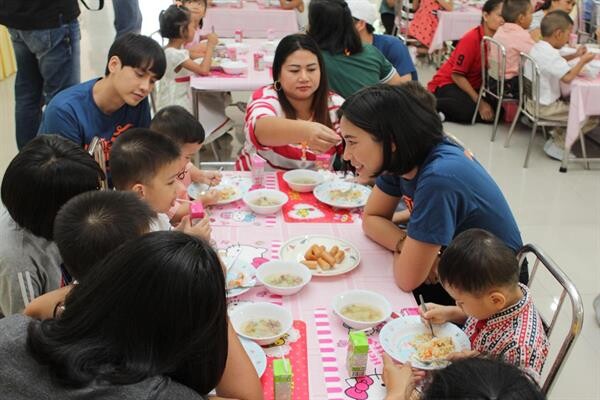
(195, 101)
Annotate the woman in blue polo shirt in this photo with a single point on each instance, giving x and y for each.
(392, 136)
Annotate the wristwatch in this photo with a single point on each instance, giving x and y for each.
(398, 248)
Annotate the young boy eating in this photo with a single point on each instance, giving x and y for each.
(180, 126)
(556, 28)
(498, 314)
(149, 164)
(86, 229)
(515, 38)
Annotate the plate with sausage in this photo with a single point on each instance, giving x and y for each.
(323, 255)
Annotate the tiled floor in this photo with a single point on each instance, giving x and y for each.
(559, 212)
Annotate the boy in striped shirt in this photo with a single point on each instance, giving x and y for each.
(498, 314)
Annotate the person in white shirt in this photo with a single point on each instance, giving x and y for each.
(556, 27)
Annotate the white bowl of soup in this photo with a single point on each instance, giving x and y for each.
(283, 277)
(265, 201)
(234, 67)
(302, 180)
(262, 322)
(361, 309)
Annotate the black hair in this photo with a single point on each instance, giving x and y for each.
(46, 173)
(331, 25)
(476, 261)
(179, 124)
(320, 101)
(489, 6)
(92, 224)
(138, 51)
(393, 118)
(481, 379)
(511, 9)
(138, 154)
(174, 22)
(555, 20)
(421, 94)
(155, 306)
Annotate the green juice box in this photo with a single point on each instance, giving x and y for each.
(282, 379)
(358, 350)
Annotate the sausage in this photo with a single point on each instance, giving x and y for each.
(312, 253)
(324, 264)
(328, 257)
(310, 264)
(339, 257)
(334, 250)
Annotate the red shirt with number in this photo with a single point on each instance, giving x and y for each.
(464, 60)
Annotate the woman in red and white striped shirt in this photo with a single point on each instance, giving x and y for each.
(291, 121)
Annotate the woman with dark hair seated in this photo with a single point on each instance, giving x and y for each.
(350, 64)
(290, 122)
(42, 177)
(147, 322)
(391, 136)
(468, 378)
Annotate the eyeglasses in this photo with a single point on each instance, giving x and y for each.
(182, 174)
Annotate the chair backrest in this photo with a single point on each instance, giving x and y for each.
(97, 149)
(529, 86)
(404, 14)
(493, 66)
(568, 290)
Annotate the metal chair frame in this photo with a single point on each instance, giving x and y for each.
(492, 69)
(404, 14)
(568, 289)
(529, 92)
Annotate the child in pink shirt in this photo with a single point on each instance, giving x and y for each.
(515, 38)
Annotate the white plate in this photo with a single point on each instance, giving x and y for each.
(240, 185)
(294, 249)
(256, 354)
(233, 271)
(325, 194)
(396, 335)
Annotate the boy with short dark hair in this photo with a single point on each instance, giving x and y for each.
(514, 36)
(149, 163)
(86, 229)
(107, 106)
(482, 275)
(556, 28)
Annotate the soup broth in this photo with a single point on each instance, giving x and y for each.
(361, 312)
(283, 280)
(261, 327)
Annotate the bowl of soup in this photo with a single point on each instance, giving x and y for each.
(361, 309)
(302, 180)
(283, 277)
(265, 201)
(262, 322)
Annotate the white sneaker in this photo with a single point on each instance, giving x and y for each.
(442, 116)
(552, 150)
(525, 121)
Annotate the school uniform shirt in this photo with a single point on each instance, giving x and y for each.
(73, 114)
(451, 193)
(174, 87)
(23, 377)
(161, 223)
(465, 60)
(515, 334)
(536, 20)
(397, 53)
(265, 103)
(348, 74)
(29, 266)
(515, 40)
(552, 67)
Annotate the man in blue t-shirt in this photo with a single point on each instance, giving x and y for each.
(107, 106)
(365, 15)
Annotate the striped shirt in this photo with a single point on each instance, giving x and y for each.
(515, 334)
(265, 103)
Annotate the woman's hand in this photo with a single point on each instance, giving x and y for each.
(320, 138)
(485, 111)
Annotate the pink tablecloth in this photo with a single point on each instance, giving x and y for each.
(251, 19)
(584, 103)
(453, 25)
(327, 376)
(248, 82)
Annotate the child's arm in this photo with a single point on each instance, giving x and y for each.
(401, 217)
(209, 177)
(292, 4)
(200, 230)
(204, 67)
(397, 378)
(198, 50)
(438, 314)
(573, 72)
(581, 50)
(447, 5)
(43, 307)
(239, 379)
